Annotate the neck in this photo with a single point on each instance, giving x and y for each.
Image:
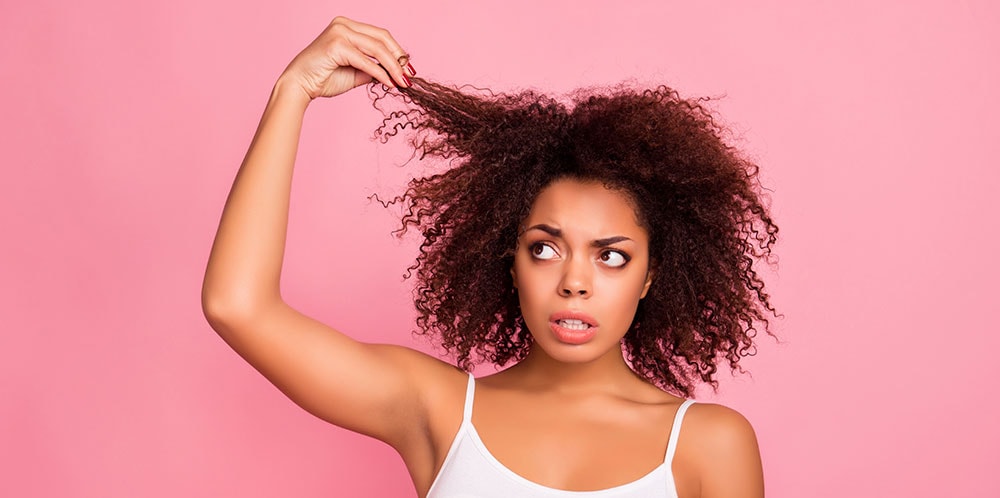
(607, 373)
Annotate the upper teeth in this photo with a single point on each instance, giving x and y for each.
(573, 324)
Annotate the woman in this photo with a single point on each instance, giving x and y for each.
(558, 239)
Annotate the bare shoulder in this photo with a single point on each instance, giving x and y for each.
(718, 452)
(433, 378)
(420, 362)
(439, 387)
(718, 427)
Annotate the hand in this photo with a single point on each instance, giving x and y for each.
(345, 55)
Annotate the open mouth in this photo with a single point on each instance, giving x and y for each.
(573, 324)
(573, 327)
(574, 320)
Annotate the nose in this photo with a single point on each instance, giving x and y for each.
(576, 279)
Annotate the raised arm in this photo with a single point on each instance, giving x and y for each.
(376, 390)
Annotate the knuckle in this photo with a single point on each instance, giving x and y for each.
(336, 45)
(339, 28)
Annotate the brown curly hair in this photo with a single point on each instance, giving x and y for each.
(698, 198)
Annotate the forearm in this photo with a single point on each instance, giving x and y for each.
(244, 268)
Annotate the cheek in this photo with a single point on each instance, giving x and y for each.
(530, 287)
(622, 295)
(534, 287)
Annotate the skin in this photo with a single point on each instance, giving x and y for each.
(570, 417)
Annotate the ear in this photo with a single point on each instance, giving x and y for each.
(649, 281)
(513, 275)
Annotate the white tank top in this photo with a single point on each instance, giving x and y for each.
(471, 471)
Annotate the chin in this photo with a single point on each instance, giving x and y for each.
(576, 353)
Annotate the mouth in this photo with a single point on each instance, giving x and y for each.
(575, 320)
(573, 327)
(573, 324)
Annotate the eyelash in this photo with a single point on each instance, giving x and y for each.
(539, 245)
(542, 245)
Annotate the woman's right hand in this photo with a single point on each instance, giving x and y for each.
(345, 55)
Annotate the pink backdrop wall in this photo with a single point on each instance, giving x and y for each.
(123, 123)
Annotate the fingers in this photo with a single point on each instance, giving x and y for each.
(404, 62)
(378, 43)
(345, 55)
(381, 60)
(363, 62)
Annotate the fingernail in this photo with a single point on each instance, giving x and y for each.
(409, 67)
(406, 79)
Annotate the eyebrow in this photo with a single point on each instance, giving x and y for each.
(555, 232)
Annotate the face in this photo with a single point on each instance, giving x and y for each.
(580, 269)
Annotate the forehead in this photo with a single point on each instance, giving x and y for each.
(585, 206)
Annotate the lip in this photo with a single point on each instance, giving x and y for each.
(573, 336)
(573, 315)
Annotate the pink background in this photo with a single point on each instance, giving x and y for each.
(123, 124)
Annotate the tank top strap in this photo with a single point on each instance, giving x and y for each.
(470, 394)
(675, 431)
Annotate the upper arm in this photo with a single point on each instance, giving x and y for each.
(721, 450)
(379, 390)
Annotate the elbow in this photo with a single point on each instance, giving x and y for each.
(218, 311)
(215, 310)
(224, 311)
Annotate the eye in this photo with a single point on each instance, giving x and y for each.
(614, 259)
(542, 251)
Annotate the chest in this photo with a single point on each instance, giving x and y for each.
(579, 446)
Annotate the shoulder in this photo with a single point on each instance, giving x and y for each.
(718, 448)
(438, 389)
(426, 389)
(432, 377)
(718, 427)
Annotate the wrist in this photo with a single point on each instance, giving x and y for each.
(289, 93)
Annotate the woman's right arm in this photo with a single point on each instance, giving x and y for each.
(372, 389)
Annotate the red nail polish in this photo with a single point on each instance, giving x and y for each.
(406, 79)
(409, 67)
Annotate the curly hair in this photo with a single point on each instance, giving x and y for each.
(697, 197)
